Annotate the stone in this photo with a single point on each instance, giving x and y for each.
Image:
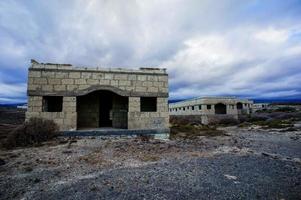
(68, 81)
(74, 75)
(77, 90)
(54, 81)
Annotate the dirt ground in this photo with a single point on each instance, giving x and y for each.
(247, 161)
(244, 163)
(10, 118)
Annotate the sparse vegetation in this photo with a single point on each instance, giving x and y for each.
(145, 138)
(184, 120)
(225, 121)
(32, 132)
(193, 131)
(286, 109)
(190, 127)
(282, 118)
(275, 123)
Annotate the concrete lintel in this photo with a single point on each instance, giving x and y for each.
(97, 88)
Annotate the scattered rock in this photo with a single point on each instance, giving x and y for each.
(294, 137)
(36, 180)
(2, 162)
(274, 156)
(265, 154)
(67, 152)
(298, 160)
(63, 141)
(230, 177)
(28, 169)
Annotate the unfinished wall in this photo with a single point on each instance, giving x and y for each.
(150, 120)
(72, 83)
(67, 81)
(206, 107)
(65, 119)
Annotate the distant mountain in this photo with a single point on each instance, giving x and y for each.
(277, 100)
(11, 104)
(175, 100)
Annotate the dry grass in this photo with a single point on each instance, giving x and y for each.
(149, 158)
(224, 121)
(31, 133)
(193, 131)
(190, 127)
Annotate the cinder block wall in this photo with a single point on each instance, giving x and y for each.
(72, 82)
(206, 114)
(66, 119)
(149, 120)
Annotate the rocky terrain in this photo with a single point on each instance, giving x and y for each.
(256, 159)
(243, 163)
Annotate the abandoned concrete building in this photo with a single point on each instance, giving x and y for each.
(260, 106)
(90, 98)
(212, 108)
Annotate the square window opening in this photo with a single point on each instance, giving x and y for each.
(208, 107)
(52, 104)
(148, 104)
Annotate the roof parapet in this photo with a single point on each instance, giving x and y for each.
(52, 66)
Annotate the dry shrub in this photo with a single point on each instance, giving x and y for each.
(257, 118)
(149, 158)
(224, 121)
(193, 131)
(286, 109)
(275, 123)
(32, 132)
(145, 138)
(184, 120)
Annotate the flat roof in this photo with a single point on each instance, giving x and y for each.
(68, 67)
(209, 98)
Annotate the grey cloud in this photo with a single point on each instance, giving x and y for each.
(207, 46)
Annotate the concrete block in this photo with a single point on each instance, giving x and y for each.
(74, 75)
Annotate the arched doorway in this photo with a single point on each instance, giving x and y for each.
(220, 108)
(102, 108)
(239, 106)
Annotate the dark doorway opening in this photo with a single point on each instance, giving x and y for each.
(220, 108)
(239, 106)
(105, 109)
(102, 109)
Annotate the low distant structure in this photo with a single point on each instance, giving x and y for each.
(260, 106)
(24, 106)
(91, 98)
(212, 108)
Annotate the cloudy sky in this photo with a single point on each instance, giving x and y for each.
(249, 48)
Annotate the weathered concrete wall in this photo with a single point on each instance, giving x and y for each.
(200, 106)
(73, 82)
(150, 120)
(65, 119)
(48, 80)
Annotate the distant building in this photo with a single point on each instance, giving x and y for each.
(88, 98)
(211, 108)
(24, 107)
(260, 106)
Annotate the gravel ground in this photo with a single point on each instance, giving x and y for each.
(246, 163)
